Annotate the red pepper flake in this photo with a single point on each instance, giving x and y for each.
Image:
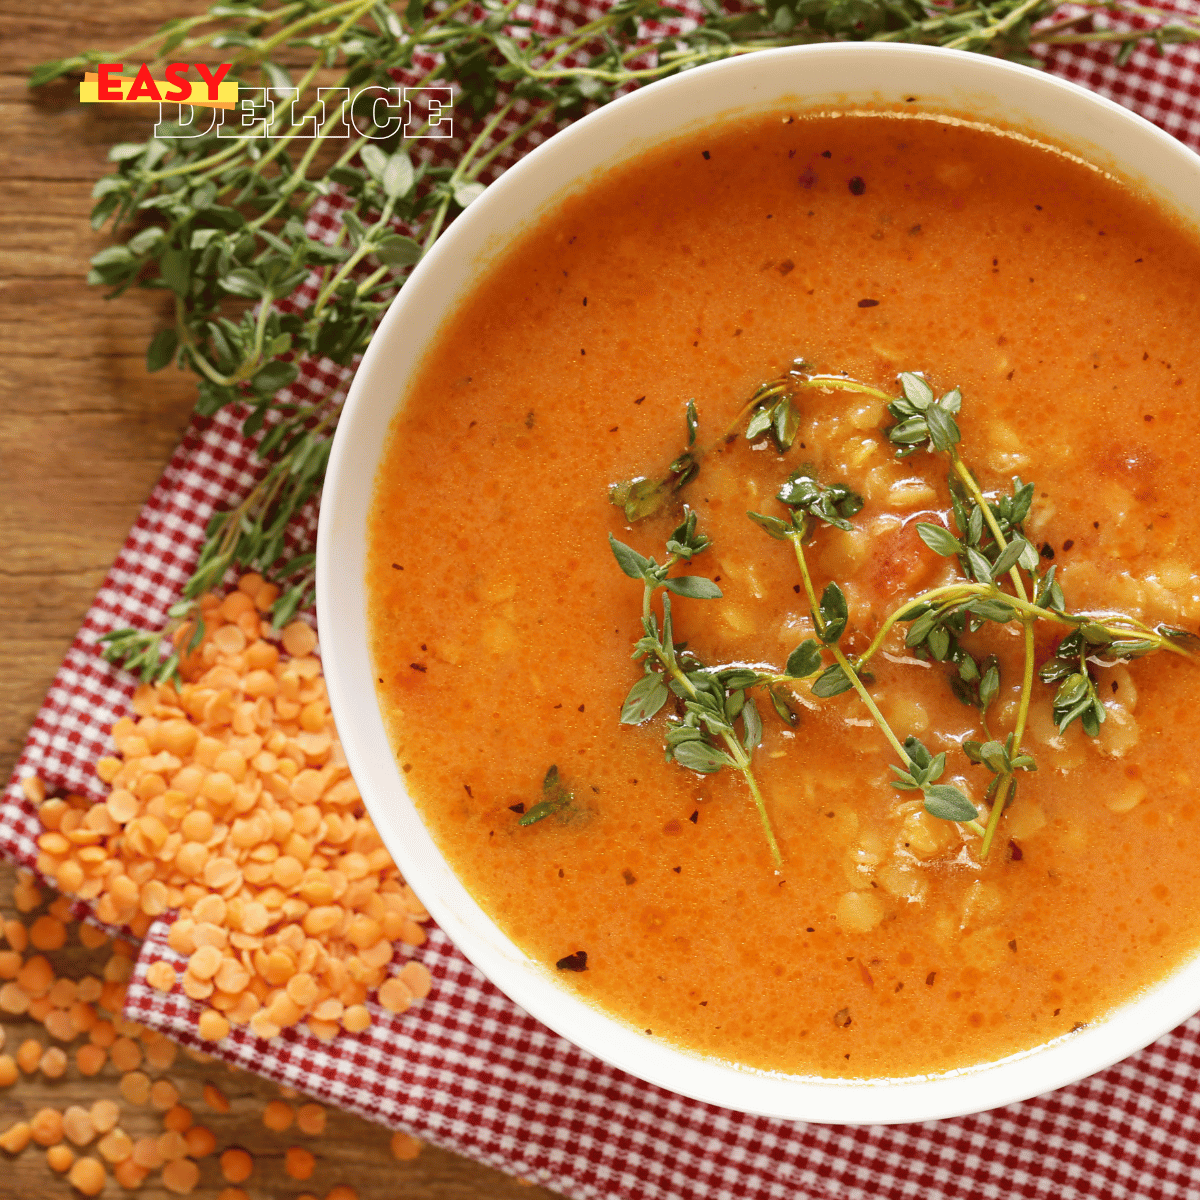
(857, 186)
(706, 155)
(786, 267)
(628, 876)
(575, 962)
(930, 978)
(676, 869)
(695, 817)
(1015, 852)
(1068, 544)
(517, 808)
(418, 667)
(868, 304)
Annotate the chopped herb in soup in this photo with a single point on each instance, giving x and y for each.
(840, 723)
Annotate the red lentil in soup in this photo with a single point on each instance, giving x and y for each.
(1065, 308)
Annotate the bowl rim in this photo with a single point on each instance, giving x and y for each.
(1084, 123)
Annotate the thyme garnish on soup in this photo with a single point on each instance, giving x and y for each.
(707, 736)
(1001, 580)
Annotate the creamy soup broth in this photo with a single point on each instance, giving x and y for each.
(1067, 309)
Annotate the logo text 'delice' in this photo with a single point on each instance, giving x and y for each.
(373, 112)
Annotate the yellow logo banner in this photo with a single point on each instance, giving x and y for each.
(109, 86)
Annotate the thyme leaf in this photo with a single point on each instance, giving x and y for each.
(556, 799)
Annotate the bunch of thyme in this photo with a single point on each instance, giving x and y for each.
(219, 222)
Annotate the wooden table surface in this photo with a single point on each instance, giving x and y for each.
(84, 433)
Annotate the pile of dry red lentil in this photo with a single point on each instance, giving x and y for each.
(231, 805)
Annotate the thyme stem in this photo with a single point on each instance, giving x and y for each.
(1008, 781)
(840, 658)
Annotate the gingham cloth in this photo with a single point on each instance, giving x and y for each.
(468, 1070)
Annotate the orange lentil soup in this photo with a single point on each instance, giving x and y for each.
(1065, 308)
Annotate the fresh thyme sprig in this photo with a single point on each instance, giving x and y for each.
(220, 222)
(809, 501)
(706, 738)
(770, 409)
(254, 536)
(994, 547)
(141, 653)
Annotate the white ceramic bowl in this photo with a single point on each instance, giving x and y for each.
(841, 76)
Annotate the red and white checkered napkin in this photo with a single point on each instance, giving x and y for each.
(468, 1070)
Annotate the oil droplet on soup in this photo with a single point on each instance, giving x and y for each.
(1063, 305)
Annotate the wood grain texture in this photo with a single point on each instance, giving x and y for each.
(84, 434)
